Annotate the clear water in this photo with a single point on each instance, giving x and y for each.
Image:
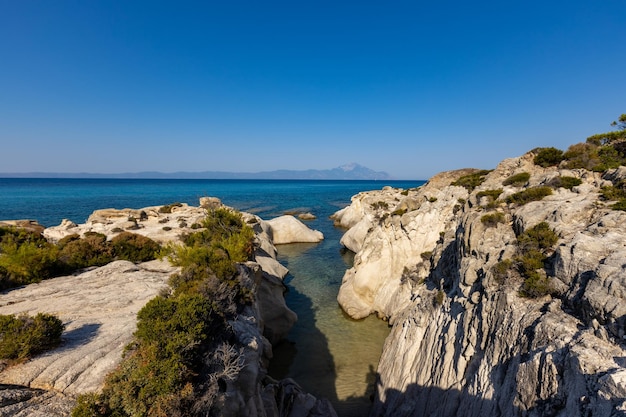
(327, 353)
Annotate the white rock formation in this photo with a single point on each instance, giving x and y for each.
(288, 229)
(464, 342)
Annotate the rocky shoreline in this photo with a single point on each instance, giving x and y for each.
(465, 341)
(99, 309)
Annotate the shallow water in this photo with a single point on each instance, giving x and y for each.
(327, 353)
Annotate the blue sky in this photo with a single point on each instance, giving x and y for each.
(407, 87)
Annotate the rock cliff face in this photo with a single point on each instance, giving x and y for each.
(464, 341)
(99, 308)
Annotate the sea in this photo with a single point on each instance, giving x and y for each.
(326, 352)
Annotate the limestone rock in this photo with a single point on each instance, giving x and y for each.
(98, 308)
(463, 341)
(288, 229)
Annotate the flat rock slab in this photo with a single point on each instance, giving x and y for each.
(99, 309)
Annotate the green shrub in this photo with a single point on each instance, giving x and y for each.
(536, 285)
(533, 245)
(539, 237)
(614, 192)
(426, 255)
(609, 158)
(492, 219)
(565, 182)
(398, 212)
(517, 180)
(439, 297)
(92, 250)
(431, 199)
(472, 180)
(28, 262)
(620, 205)
(133, 247)
(548, 157)
(379, 205)
(581, 156)
(22, 337)
(404, 192)
(529, 194)
(492, 194)
(500, 270)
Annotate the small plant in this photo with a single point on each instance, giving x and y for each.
(472, 180)
(23, 336)
(426, 255)
(196, 226)
(620, 205)
(548, 157)
(533, 245)
(492, 196)
(379, 205)
(404, 192)
(517, 180)
(492, 219)
(168, 208)
(166, 228)
(432, 199)
(461, 201)
(133, 247)
(439, 297)
(398, 212)
(500, 271)
(614, 192)
(529, 194)
(456, 208)
(565, 182)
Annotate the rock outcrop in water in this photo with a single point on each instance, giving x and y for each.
(99, 309)
(464, 341)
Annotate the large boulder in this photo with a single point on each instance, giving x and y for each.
(288, 229)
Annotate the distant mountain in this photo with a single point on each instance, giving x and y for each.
(352, 171)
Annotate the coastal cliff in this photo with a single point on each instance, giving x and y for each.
(99, 307)
(483, 322)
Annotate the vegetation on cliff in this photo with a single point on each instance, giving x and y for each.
(27, 257)
(184, 351)
(600, 152)
(23, 336)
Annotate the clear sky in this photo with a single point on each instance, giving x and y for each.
(407, 87)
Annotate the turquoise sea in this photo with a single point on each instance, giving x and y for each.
(327, 353)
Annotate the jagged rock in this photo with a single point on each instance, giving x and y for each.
(288, 229)
(463, 341)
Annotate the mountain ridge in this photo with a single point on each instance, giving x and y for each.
(351, 171)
